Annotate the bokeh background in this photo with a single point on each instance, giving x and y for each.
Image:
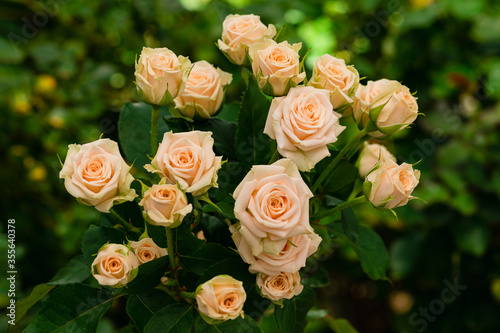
(67, 67)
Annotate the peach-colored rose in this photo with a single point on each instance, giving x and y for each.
(400, 110)
(276, 66)
(241, 31)
(159, 72)
(146, 250)
(204, 91)
(220, 299)
(115, 265)
(187, 159)
(371, 155)
(96, 174)
(332, 74)
(391, 184)
(303, 124)
(282, 285)
(165, 205)
(272, 203)
(290, 258)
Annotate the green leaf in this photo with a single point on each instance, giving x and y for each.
(350, 224)
(230, 112)
(226, 208)
(372, 254)
(134, 132)
(186, 243)
(340, 325)
(95, 237)
(252, 145)
(206, 256)
(23, 305)
(344, 175)
(72, 308)
(174, 318)
(224, 134)
(229, 176)
(247, 325)
(142, 307)
(149, 276)
(291, 318)
(75, 271)
(472, 238)
(404, 255)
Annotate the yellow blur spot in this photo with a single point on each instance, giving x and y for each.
(21, 103)
(18, 150)
(401, 302)
(45, 84)
(38, 173)
(495, 289)
(421, 4)
(56, 121)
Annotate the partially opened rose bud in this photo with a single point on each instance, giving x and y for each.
(188, 159)
(220, 299)
(303, 123)
(146, 250)
(280, 286)
(165, 205)
(115, 265)
(204, 91)
(276, 66)
(96, 174)
(391, 185)
(342, 81)
(387, 104)
(160, 75)
(371, 155)
(241, 31)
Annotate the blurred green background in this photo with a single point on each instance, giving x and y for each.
(66, 68)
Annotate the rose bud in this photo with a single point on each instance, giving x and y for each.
(282, 285)
(96, 174)
(204, 91)
(241, 31)
(220, 299)
(276, 66)
(386, 103)
(146, 250)
(187, 159)
(371, 155)
(160, 75)
(303, 123)
(342, 81)
(165, 205)
(115, 265)
(390, 185)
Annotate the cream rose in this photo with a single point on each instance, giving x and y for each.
(160, 75)
(303, 123)
(371, 155)
(146, 250)
(241, 31)
(291, 257)
(400, 110)
(332, 74)
(276, 66)
(115, 265)
(204, 91)
(391, 185)
(272, 203)
(220, 299)
(277, 287)
(165, 205)
(96, 174)
(187, 159)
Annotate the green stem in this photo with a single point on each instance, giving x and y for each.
(327, 172)
(122, 222)
(154, 129)
(342, 206)
(171, 252)
(188, 295)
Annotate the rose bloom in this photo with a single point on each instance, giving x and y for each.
(187, 159)
(391, 184)
(146, 250)
(276, 66)
(272, 203)
(332, 74)
(165, 205)
(282, 285)
(115, 265)
(204, 91)
(291, 258)
(371, 155)
(400, 110)
(159, 71)
(96, 174)
(220, 299)
(303, 123)
(241, 31)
